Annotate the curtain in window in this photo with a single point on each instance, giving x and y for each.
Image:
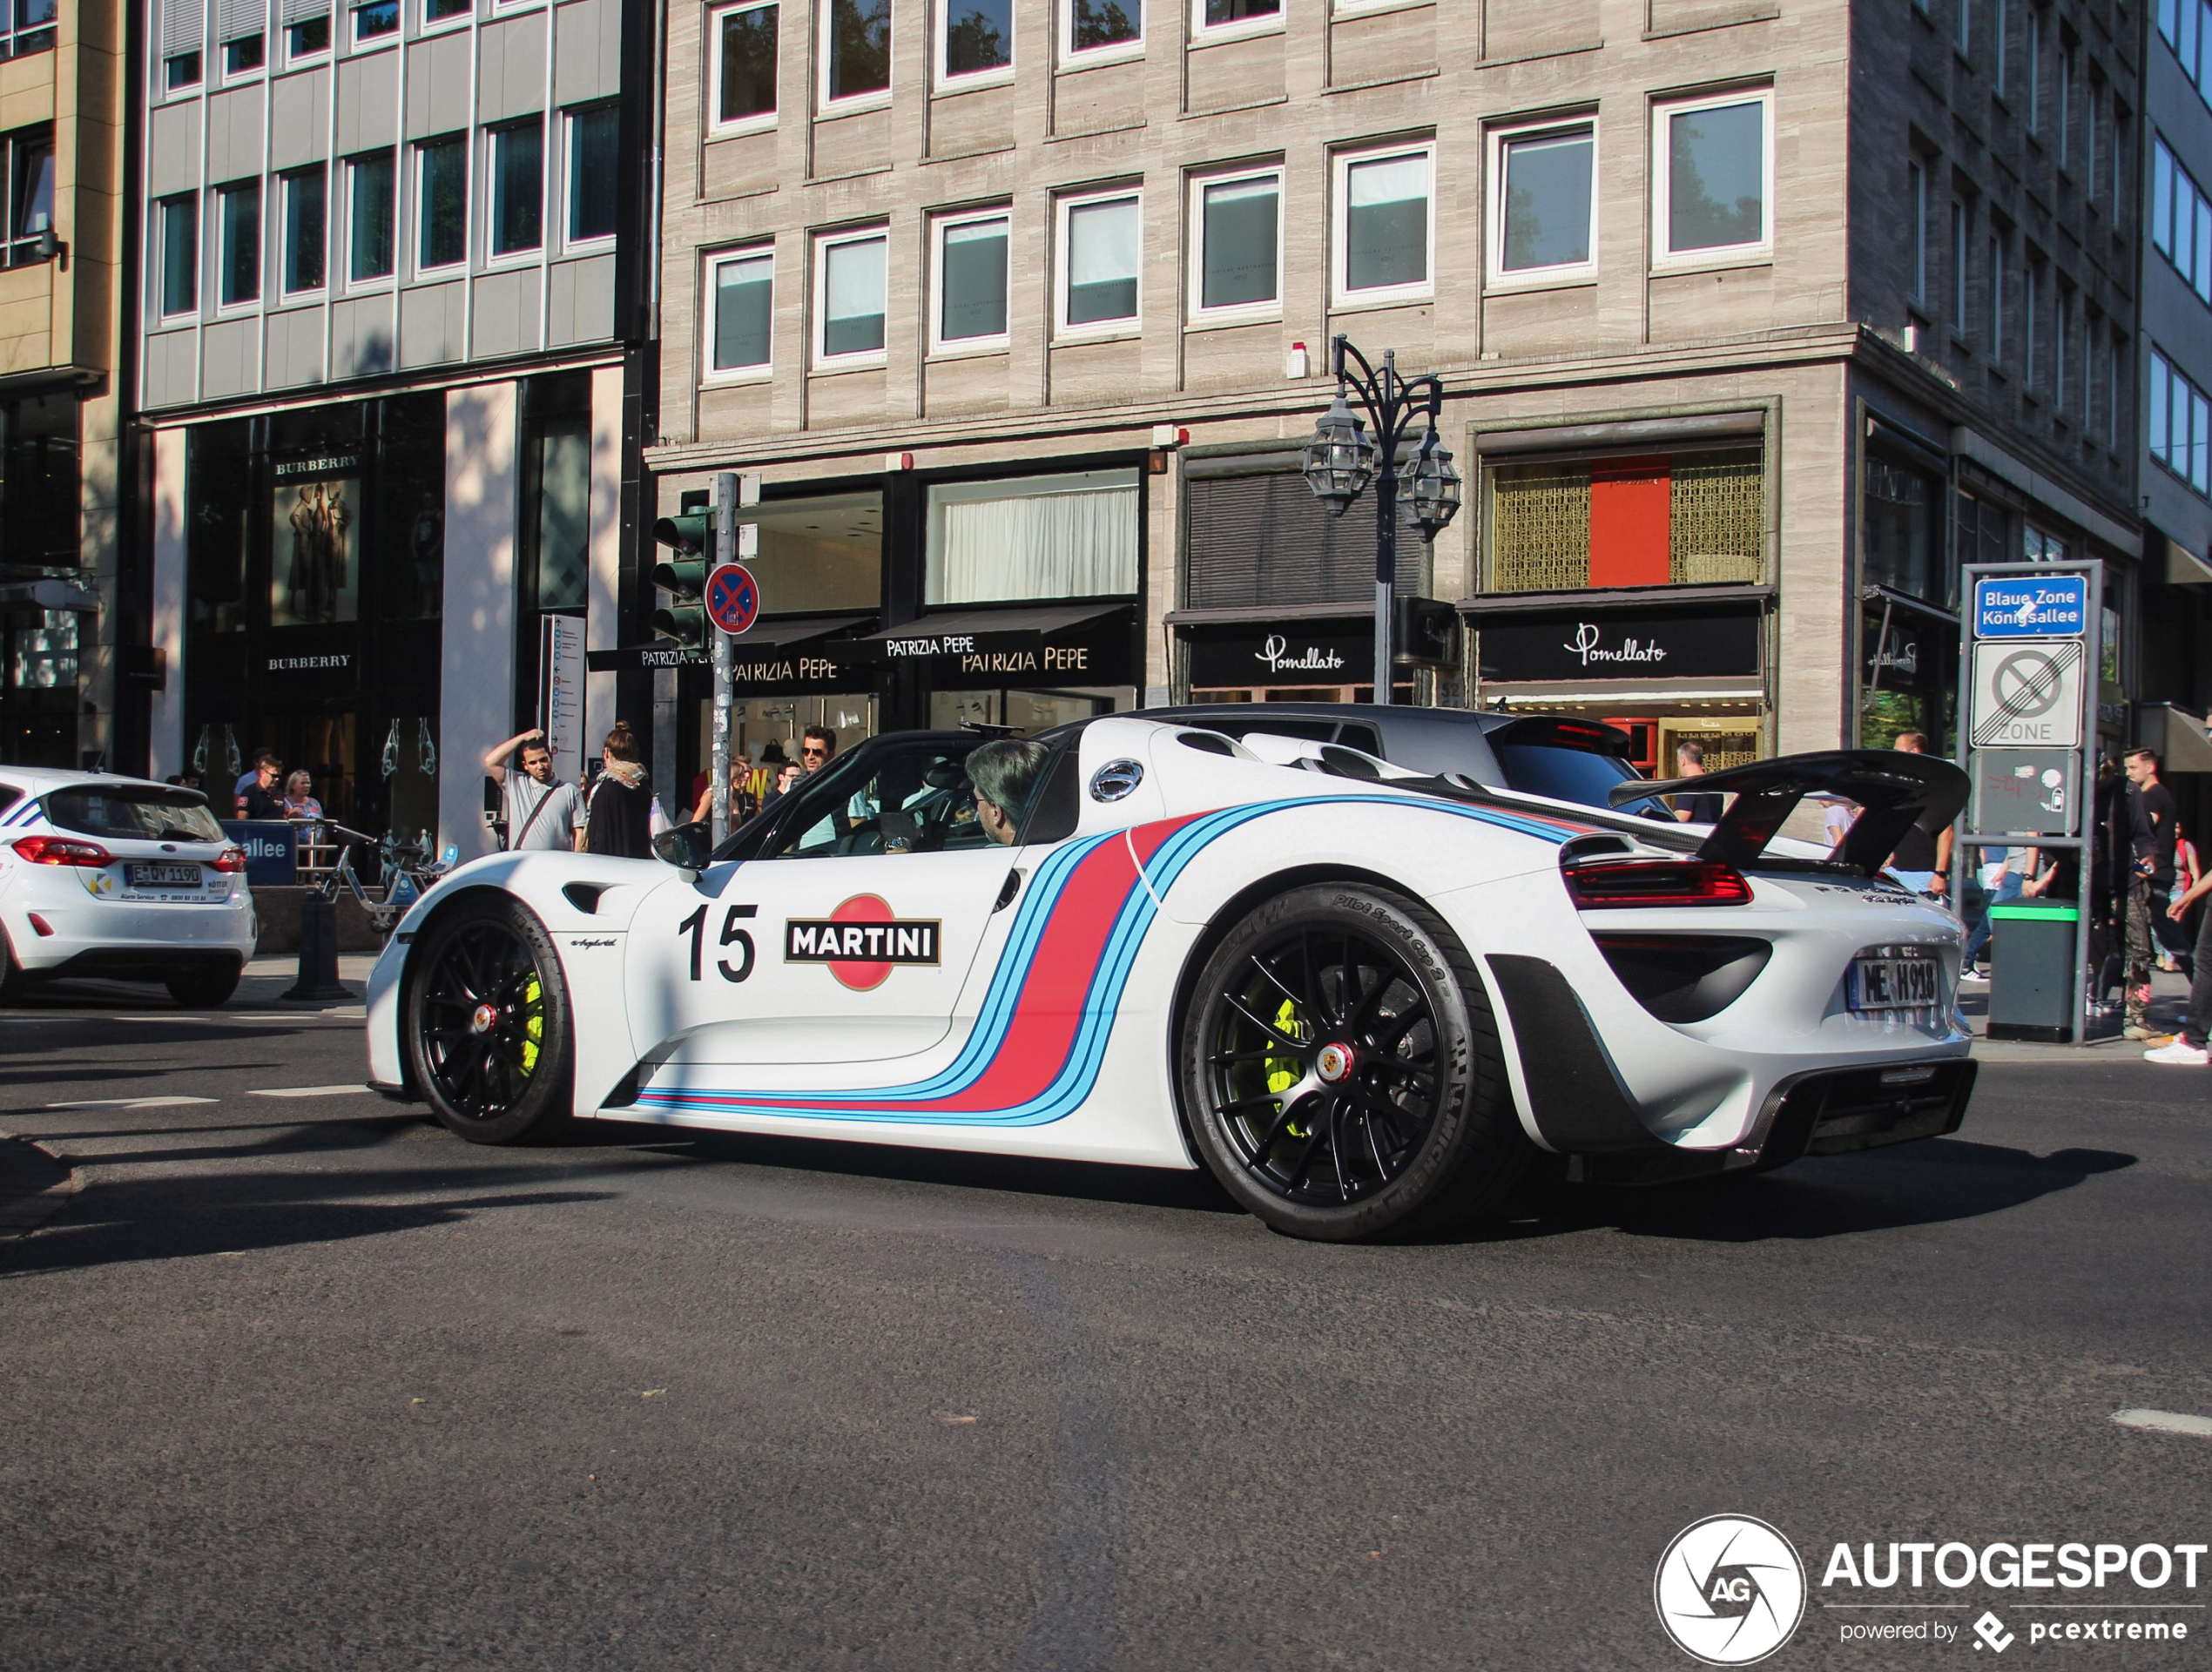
(1053, 538)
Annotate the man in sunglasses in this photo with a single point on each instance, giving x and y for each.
(816, 745)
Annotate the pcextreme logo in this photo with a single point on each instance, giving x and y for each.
(1729, 1590)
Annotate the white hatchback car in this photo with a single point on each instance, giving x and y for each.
(121, 879)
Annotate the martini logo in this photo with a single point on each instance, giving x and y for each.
(861, 941)
(1729, 1590)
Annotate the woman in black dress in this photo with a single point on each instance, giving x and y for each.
(619, 818)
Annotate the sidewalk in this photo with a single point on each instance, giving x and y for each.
(2169, 1003)
(268, 979)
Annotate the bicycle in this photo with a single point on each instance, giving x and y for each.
(409, 874)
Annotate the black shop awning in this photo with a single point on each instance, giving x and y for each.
(768, 641)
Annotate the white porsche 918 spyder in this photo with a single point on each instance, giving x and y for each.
(1365, 1000)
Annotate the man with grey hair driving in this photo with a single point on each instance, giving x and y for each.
(1004, 774)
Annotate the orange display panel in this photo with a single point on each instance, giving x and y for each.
(1629, 519)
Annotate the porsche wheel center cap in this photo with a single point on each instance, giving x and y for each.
(1334, 1064)
(483, 1019)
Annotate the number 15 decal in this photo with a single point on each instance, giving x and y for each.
(695, 926)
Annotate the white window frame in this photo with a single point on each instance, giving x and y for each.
(341, 278)
(415, 200)
(561, 192)
(1197, 316)
(1340, 166)
(316, 55)
(284, 184)
(160, 241)
(1665, 260)
(427, 25)
(487, 193)
(964, 348)
(823, 361)
(223, 309)
(226, 76)
(940, 23)
(711, 375)
(1204, 34)
(716, 127)
(1500, 277)
(1063, 266)
(824, 12)
(1069, 57)
(357, 42)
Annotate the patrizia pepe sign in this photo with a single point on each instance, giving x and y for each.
(1648, 644)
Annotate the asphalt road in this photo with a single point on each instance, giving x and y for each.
(303, 1381)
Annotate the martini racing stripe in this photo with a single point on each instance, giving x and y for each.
(1032, 1055)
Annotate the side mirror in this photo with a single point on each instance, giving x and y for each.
(688, 847)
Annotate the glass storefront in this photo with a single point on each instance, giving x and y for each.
(314, 564)
(39, 538)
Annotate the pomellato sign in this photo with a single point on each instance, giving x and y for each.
(1647, 643)
(1287, 653)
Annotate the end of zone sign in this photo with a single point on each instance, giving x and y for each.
(2027, 696)
(2031, 606)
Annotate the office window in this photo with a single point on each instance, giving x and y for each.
(33, 27)
(1916, 192)
(377, 18)
(1235, 16)
(2181, 220)
(1543, 219)
(1111, 27)
(969, 307)
(180, 70)
(2034, 69)
(856, 49)
(1063, 536)
(1998, 291)
(516, 165)
(2000, 44)
(1237, 237)
(974, 37)
(30, 193)
(307, 37)
(369, 216)
(595, 172)
(2186, 27)
(2089, 181)
(1383, 223)
(177, 234)
(1714, 177)
(2180, 424)
(239, 219)
(443, 11)
(2115, 388)
(1962, 26)
(742, 289)
(744, 65)
(304, 242)
(849, 290)
(1100, 250)
(2066, 107)
(2119, 149)
(2031, 321)
(1958, 269)
(442, 199)
(2061, 335)
(244, 55)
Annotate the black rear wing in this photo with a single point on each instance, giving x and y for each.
(1898, 792)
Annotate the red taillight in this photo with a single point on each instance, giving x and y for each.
(1656, 882)
(62, 850)
(40, 925)
(232, 859)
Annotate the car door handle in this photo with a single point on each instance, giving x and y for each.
(1007, 891)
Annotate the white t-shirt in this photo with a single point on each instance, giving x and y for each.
(554, 827)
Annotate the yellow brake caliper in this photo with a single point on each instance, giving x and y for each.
(1284, 1072)
(532, 1030)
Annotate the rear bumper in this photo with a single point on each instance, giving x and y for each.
(166, 939)
(138, 963)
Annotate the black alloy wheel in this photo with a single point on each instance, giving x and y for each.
(1340, 1068)
(487, 1023)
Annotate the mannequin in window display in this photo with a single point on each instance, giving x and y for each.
(427, 542)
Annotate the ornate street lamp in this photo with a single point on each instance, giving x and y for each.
(1341, 459)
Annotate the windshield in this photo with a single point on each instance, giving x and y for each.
(1571, 775)
(133, 812)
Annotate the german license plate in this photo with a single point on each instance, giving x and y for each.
(162, 876)
(1896, 980)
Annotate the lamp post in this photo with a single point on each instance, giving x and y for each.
(1341, 459)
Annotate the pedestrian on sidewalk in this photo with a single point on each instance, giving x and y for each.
(622, 815)
(1695, 807)
(1922, 862)
(2188, 1049)
(2152, 814)
(540, 813)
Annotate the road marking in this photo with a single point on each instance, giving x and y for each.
(307, 1091)
(132, 1102)
(2165, 1422)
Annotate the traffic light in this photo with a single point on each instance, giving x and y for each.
(683, 574)
(1425, 630)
